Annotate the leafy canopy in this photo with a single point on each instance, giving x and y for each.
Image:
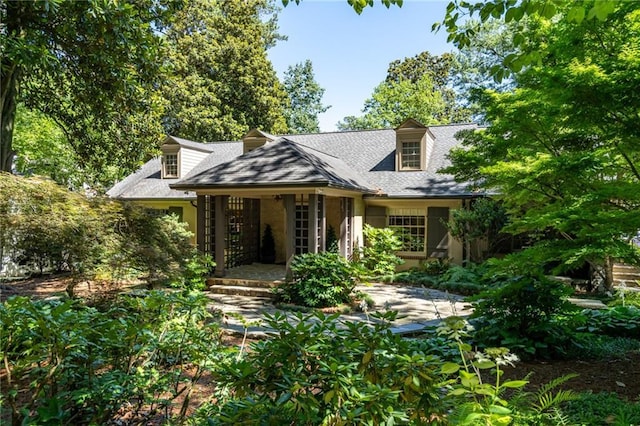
(562, 146)
(90, 66)
(221, 82)
(305, 96)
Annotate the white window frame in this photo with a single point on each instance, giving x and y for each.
(410, 160)
(412, 220)
(166, 165)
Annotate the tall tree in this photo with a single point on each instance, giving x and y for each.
(89, 66)
(43, 149)
(562, 148)
(441, 71)
(416, 87)
(305, 96)
(221, 82)
(395, 101)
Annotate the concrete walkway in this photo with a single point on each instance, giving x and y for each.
(417, 308)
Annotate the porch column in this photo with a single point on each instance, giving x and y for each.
(322, 223)
(200, 223)
(289, 202)
(345, 226)
(313, 223)
(220, 225)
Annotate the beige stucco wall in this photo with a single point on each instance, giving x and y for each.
(333, 214)
(455, 247)
(189, 212)
(358, 222)
(272, 213)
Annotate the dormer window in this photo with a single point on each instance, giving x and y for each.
(414, 143)
(171, 165)
(255, 139)
(410, 155)
(170, 162)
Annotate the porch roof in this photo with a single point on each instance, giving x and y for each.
(281, 163)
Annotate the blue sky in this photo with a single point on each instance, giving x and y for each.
(350, 52)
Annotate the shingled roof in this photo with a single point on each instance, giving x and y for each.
(276, 164)
(147, 182)
(356, 160)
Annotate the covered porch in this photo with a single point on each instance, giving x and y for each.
(230, 226)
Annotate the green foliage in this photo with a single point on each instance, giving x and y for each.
(42, 149)
(46, 227)
(482, 222)
(378, 253)
(319, 370)
(332, 240)
(85, 365)
(621, 321)
(465, 280)
(319, 280)
(474, 399)
(602, 408)
(268, 247)
(305, 99)
(195, 272)
(157, 247)
(393, 102)
(92, 73)
(588, 346)
(567, 168)
(221, 83)
(522, 314)
(435, 266)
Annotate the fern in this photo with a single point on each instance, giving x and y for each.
(547, 399)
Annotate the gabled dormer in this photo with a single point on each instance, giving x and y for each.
(179, 156)
(414, 143)
(254, 139)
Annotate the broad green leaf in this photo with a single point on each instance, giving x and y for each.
(449, 368)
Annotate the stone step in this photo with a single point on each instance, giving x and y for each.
(624, 267)
(237, 290)
(626, 277)
(242, 282)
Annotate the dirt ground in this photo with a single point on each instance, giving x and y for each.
(620, 376)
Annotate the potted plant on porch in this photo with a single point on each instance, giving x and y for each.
(268, 252)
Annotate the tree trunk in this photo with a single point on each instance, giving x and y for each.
(10, 72)
(9, 85)
(608, 273)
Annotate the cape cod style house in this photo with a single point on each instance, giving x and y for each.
(301, 185)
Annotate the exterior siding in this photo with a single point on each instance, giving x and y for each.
(189, 158)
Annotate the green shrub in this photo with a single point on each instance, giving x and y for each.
(600, 409)
(85, 365)
(318, 370)
(332, 240)
(195, 273)
(523, 315)
(319, 280)
(379, 253)
(588, 346)
(622, 321)
(435, 266)
(157, 247)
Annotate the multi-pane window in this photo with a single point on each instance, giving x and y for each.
(171, 165)
(409, 225)
(410, 155)
(302, 225)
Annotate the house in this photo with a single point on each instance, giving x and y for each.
(303, 184)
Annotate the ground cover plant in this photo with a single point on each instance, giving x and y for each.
(85, 365)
